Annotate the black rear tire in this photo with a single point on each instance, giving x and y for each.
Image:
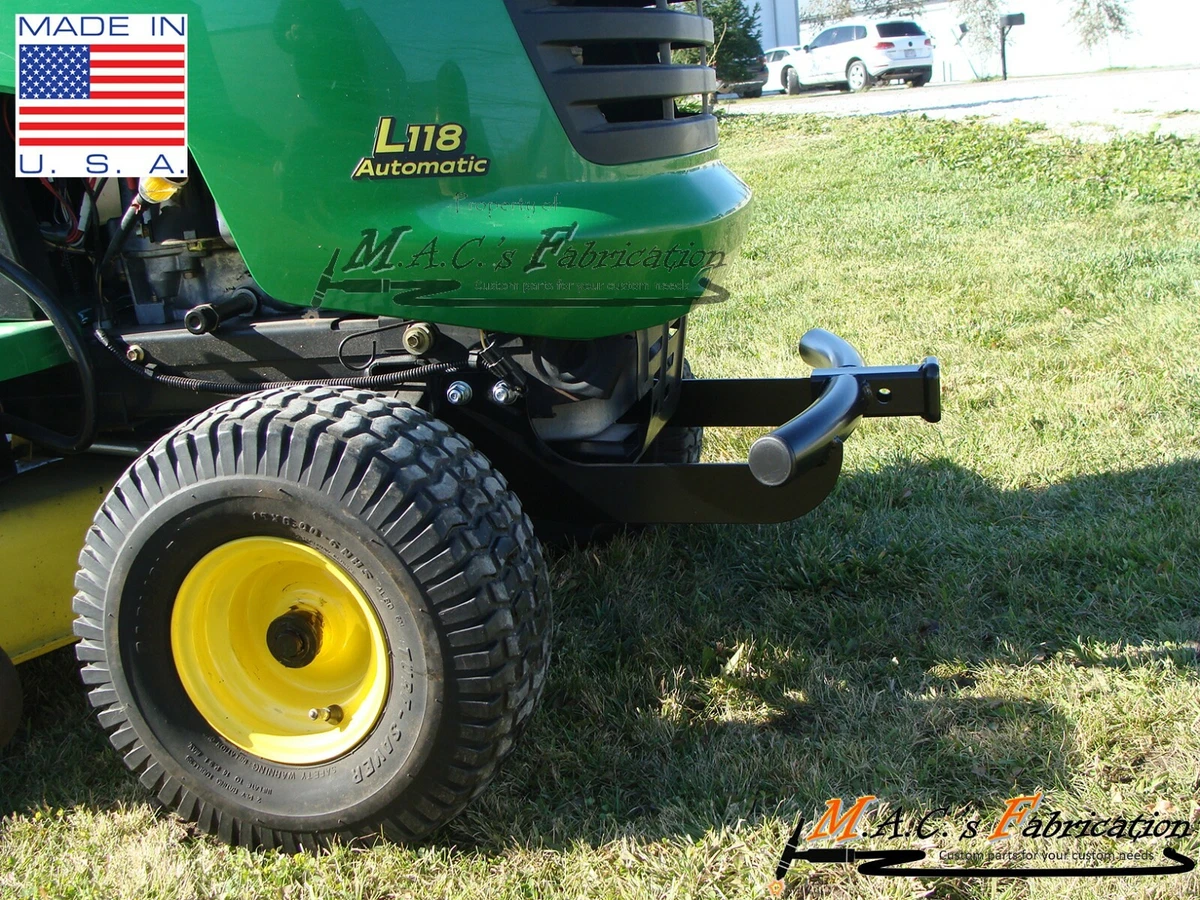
(11, 699)
(791, 81)
(418, 521)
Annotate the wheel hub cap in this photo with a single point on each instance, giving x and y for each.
(265, 631)
(294, 639)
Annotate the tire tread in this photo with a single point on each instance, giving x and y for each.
(429, 495)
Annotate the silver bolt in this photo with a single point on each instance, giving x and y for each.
(331, 714)
(504, 394)
(459, 393)
(134, 353)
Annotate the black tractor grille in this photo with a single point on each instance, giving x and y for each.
(607, 67)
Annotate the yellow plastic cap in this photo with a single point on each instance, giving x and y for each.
(154, 189)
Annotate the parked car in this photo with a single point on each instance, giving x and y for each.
(781, 60)
(753, 86)
(858, 54)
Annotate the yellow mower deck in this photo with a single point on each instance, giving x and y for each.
(44, 515)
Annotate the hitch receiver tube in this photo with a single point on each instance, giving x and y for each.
(803, 455)
(845, 396)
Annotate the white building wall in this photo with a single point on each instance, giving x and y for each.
(779, 20)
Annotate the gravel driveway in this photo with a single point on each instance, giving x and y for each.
(1091, 106)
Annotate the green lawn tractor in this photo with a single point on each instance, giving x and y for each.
(294, 405)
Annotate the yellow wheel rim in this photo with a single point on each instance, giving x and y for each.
(280, 650)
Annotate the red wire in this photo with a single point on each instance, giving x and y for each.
(75, 232)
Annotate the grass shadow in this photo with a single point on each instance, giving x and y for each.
(922, 636)
(59, 758)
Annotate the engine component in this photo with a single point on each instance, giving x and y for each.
(208, 316)
(155, 190)
(151, 191)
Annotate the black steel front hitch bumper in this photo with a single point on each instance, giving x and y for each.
(789, 472)
(849, 389)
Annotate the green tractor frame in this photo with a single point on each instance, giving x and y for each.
(289, 417)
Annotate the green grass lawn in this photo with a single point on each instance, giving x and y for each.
(1001, 604)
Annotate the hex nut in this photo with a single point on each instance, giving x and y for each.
(418, 338)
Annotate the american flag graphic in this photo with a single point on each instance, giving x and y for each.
(102, 95)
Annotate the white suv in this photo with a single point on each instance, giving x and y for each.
(858, 54)
(781, 60)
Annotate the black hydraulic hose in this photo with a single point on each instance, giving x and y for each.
(118, 240)
(70, 335)
(417, 373)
